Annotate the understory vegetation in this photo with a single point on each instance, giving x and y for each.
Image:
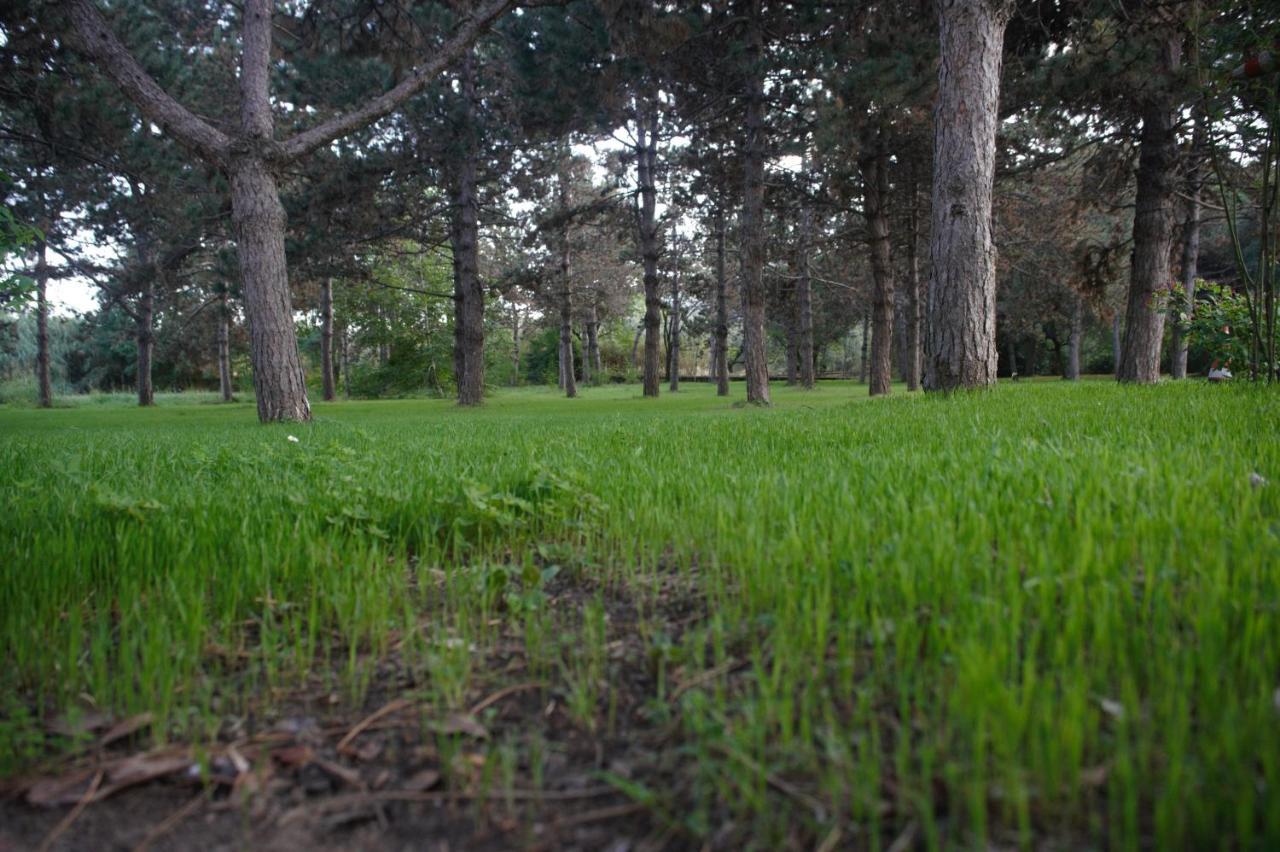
(1049, 612)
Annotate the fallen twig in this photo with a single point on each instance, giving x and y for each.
(391, 707)
(355, 800)
(709, 675)
(170, 822)
(503, 693)
(599, 815)
(66, 822)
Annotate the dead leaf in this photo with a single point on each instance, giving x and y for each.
(1111, 707)
(143, 767)
(422, 780)
(64, 790)
(1095, 776)
(342, 773)
(79, 724)
(369, 751)
(125, 727)
(293, 756)
(462, 723)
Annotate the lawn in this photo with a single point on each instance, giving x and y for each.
(1048, 614)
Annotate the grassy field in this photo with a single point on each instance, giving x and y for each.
(1045, 614)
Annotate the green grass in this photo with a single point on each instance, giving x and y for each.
(1046, 611)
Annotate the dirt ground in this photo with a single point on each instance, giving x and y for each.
(316, 778)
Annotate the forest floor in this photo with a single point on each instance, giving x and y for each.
(1042, 616)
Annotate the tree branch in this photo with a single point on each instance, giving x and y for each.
(93, 36)
(386, 103)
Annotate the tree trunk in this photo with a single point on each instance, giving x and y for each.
(914, 357)
(1115, 343)
(866, 338)
(326, 339)
(804, 300)
(469, 299)
(722, 314)
(273, 345)
(1077, 336)
(752, 221)
(591, 365)
(646, 160)
(145, 322)
(224, 347)
(515, 345)
(566, 291)
(346, 362)
(673, 356)
(44, 383)
(962, 280)
(874, 165)
(1153, 226)
(1190, 251)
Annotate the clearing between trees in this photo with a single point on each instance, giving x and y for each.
(1047, 615)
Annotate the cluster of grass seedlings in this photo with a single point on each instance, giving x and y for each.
(1049, 610)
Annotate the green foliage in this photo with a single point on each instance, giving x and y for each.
(1220, 324)
(15, 237)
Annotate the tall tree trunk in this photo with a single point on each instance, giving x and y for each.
(566, 289)
(44, 383)
(326, 339)
(469, 300)
(1153, 227)
(593, 338)
(722, 314)
(914, 357)
(874, 165)
(646, 161)
(1190, 249)
(673, 356)
(752, 221)
(804, 299)
(145, 321)
(346, 361)
(224, 346)
(259, 221)
(515, 345)
(1115, 343)
(1077, 337)
(866, 339)
(591, 364)
(962, 279)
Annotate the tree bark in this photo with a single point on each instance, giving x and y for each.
(673, 355)
(1077, 336)
(752, 221)
(722, 314)
(145, 322)
(646, 161)
(464, 237)
(326, 339)
(874, 165)
(914, 356)
(44, 383)
(866, 338)
(804, 299)
(1190, 250)
(515, 345)
(592, 368)
(962, 281)
(259, 221)
(1153, 227)
(566, 290)
(224, 347)
(1115, 343)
